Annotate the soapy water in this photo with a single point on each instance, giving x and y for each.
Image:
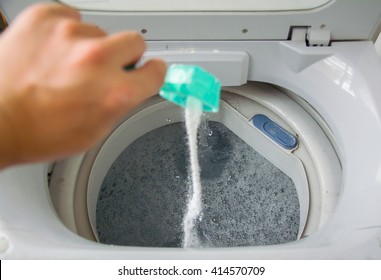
(246, 200)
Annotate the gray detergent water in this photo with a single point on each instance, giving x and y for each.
(247, 201)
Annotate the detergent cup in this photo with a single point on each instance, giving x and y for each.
(183, 81)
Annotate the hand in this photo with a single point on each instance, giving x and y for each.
(62, 83)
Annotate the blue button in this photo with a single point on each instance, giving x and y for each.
(275, 132)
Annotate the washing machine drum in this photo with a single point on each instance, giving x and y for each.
(266, 179)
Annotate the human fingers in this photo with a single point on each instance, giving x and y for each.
(125, 47)
(144, 82)
(82, 30)
(132, 88)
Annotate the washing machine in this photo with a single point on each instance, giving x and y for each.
(291, 162)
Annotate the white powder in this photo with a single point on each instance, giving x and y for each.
(193, 113)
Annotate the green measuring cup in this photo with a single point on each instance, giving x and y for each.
(183, 81)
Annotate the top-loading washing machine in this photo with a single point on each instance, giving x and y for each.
(292, 168)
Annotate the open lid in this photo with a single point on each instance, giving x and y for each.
(237, 19)
(226, 19)
(195, 5)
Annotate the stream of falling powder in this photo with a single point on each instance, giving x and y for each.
(193, 113)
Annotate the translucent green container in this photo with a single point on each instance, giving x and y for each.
(183, 81)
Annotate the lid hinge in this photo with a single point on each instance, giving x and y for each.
(312, 37)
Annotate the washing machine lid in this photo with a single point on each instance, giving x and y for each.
(196, 5)
(236, 19)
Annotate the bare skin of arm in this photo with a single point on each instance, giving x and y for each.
(62, 84)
